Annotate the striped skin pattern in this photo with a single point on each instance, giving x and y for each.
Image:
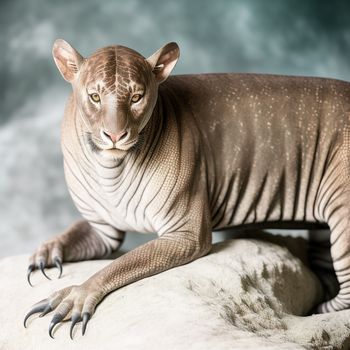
(197, 153)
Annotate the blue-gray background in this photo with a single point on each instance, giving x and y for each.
(306, 37)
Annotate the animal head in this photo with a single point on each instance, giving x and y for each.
(115, 90)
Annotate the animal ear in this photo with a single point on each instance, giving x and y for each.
(163, 61)
(67, 59)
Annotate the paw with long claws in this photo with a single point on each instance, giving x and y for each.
(48, 255)
(75, 303)
(79, 242)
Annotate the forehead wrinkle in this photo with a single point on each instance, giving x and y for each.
(110, 71)
(102, 67)
(130, 72)
(121, 70)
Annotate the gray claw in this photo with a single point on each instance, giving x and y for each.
(47, 309)
(31, 268)
(41, 265)
(34, 310)
(86, 318)
(58, 264)
(75, 319)
(57, 318)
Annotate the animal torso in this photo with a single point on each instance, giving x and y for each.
(261, 146)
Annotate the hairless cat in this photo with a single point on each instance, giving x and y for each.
(187, 155)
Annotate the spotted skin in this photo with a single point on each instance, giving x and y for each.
(201, 152)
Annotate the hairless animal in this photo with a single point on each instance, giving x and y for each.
(185, 155)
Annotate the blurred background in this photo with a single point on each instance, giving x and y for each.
(283, 37)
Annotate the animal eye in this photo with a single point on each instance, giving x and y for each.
(136, 98)
(95, 97)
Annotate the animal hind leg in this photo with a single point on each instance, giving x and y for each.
(321, 261)
(337, 215)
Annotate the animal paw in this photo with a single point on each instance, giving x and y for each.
(49, 254)
(75, 303)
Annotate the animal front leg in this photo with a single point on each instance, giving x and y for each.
(78, 303)
(79, 242)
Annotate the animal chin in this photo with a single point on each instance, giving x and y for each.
(114, 152)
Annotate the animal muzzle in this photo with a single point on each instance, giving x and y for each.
(109, 137)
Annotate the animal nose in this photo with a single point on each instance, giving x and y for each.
(115, 137)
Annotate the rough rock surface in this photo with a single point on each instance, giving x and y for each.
(246, 294)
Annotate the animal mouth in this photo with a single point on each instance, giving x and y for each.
(126, 146)
(114, 150)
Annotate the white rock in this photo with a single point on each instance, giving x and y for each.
(246, 294)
